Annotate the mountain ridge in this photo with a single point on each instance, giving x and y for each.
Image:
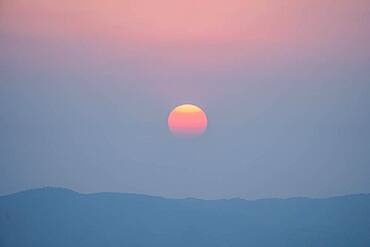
(62, 217)
(63, 189)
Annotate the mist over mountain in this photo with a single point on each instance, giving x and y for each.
(61, 217)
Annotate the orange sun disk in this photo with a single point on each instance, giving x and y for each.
(187, 121)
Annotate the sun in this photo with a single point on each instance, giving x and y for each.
(187, 120)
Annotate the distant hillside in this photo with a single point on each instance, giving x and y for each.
(58, 217)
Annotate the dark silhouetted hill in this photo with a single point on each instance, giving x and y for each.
(58, 217)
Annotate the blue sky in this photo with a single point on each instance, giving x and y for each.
(86, 108)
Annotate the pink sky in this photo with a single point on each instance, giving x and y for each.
(193, 30)
(162, 41)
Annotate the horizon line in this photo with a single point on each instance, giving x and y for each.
(43, 188)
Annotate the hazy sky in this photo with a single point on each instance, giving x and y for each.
(86, 87)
